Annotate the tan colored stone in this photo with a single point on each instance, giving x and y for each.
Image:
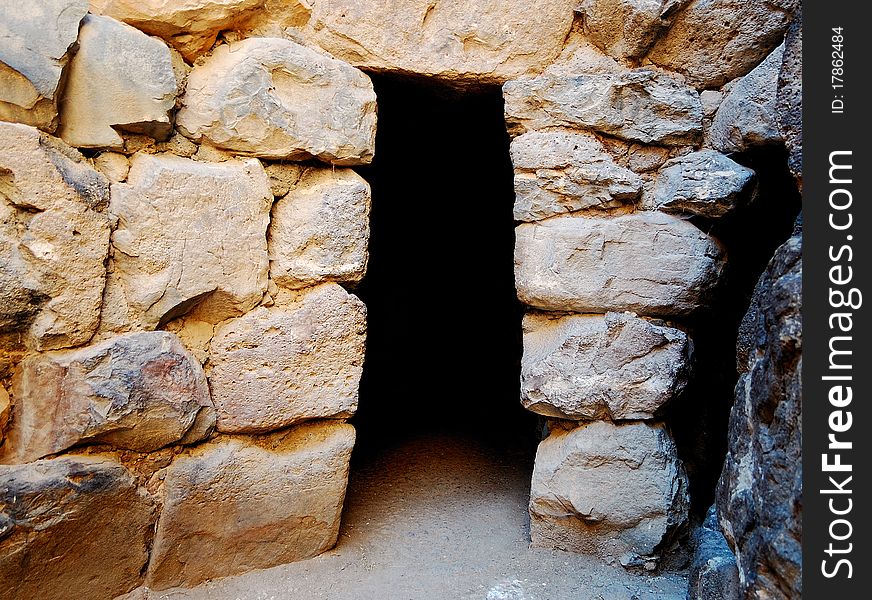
(614, 491)
(614, 366)
(559, 171)
(468, 40)
(54, 238)
(113, 165)
(72, 527)
(274, 98)
(627, 28)
(35, 39)
(119, 79)
(275, 367)
(713, 41)
(140, 391)
(640, 105)
(242, 503)
(648, 262)
(189, 26)
(190, 234)
(320, 230)
(5, 412)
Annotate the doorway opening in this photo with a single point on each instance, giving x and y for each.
(444, 323)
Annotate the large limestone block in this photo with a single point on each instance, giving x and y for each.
(559, 171)
(714, 41)
(119, 79)
(140, 391)
(35, 39)
(759, 495)
(275, 367)
(54, 238)
(627, 28)
(189, 26)
(650, 263)
(615, 491)
(189, 234)
(72, 527)
(274, 98)
(614, 366)
(477, 41)
(320, 229)
(748, 116)
(242, 503)
(789, 97)
(641, 105)
(704, 183)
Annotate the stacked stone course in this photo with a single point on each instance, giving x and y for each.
(181, 233)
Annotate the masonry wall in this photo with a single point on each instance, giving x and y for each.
(182, 232)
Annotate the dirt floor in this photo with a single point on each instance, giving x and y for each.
(438, 516)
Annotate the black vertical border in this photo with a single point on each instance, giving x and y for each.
(825, 132)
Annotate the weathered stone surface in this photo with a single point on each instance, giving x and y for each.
(466, 40)
(789, 96)
(189, 26)
(640, 105)
(274, 98)
(649, 263)
(140, 391)
(748, 116)
(275, 367)
(713, 572)
(759, 495)
(704, 183)
(35, 39)
(189, 234)
(627, 28)
(114, 165)
(320, 229)
(5, 412)
(119, 79)
(559, 172)
(614, 366)
(54, 238)
(243, 503)
(72, 527)
(616, 491)
(714, 41)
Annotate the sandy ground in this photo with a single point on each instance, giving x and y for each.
(438, 517)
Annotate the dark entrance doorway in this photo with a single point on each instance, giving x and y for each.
(444, 333)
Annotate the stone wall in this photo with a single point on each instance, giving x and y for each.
(182, 232)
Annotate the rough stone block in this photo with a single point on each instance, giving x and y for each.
(120, 78)
(559, 172)
(54, 239)
(748, 116)
(614, 491)
(242, 503)
(641, 105)
(35, 42)
(72, 527)
(704, 183)
(649, 263)
(274, 98)
(714, 41)
(278, 366)
(190, 234)
(320, 229)
(614, 366)
(140, 391)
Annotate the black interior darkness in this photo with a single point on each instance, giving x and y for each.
(444, 325)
